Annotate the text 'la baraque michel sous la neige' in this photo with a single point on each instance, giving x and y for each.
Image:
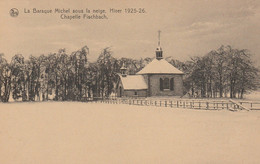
(83, 13)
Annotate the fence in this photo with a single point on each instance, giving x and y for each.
(187, 103)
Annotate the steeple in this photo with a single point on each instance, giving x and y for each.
(123, 70)
(159, 51)
(159, 37)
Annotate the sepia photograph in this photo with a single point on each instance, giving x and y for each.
(129, 82)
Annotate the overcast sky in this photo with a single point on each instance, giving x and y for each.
(189, 27)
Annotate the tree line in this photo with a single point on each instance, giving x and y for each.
(225, 72)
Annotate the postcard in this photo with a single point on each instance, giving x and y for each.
(120, 81)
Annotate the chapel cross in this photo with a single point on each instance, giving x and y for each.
(159, 32)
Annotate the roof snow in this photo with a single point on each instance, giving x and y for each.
(159, 67)
(133, 82)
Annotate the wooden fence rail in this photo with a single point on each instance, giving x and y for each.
(187, 103)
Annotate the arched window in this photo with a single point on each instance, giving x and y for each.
(166, 83)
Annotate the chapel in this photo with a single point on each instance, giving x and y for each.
(158, 78)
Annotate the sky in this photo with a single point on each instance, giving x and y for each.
(189, 28)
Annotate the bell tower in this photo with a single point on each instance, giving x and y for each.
(123, 70)
(159, 51)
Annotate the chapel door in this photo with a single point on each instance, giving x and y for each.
(120, 91)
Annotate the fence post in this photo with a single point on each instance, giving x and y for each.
(171, 103)
(207, 105)
(177, 104)
(165, 103)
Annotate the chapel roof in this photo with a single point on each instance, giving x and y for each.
(159, 67)
(133, 82)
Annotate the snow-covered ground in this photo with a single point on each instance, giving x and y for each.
(80, 133)
(255, 96)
